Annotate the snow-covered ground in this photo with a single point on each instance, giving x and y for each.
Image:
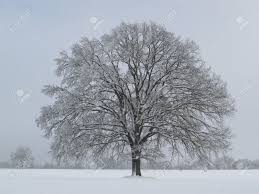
(114, 181)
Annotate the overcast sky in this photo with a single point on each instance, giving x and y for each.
(32, 33)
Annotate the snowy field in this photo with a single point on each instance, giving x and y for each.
(115, 182)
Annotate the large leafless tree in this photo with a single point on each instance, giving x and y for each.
(136, 91)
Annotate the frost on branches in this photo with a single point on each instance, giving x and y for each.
(22, 158)
(134, 92)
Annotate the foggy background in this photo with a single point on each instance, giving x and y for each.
(32, 33)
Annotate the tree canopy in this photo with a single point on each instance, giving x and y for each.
(138, 90)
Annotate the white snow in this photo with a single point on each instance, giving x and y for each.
(43, 181)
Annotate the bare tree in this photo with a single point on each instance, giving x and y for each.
(22, 158)
(135, 91)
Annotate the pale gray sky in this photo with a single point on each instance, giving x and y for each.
(33, 32)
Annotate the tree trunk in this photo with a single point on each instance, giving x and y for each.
(136, 165)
